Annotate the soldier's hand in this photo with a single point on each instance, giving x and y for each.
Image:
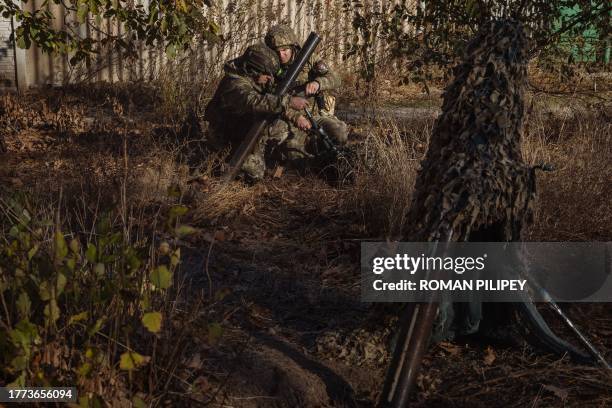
(298, 103)
(303, 123)
(312, 88)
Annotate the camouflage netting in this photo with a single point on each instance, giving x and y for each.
(473, 177)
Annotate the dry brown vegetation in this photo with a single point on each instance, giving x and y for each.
(264, 310)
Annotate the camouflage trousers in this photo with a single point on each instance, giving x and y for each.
(283, 142)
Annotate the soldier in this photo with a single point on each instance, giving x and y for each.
(314, 82)
(243, 96)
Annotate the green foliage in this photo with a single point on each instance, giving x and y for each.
(131, 361)
(434, 33)
(170, 23)
(60, 288)
(161, 277)
(152, 321)
(366, 24)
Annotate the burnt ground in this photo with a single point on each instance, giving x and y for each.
(279, 273)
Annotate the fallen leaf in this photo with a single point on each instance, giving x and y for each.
(450, 348)
(219, 235)
(489, 357)
(195, 362)
(279, 172)
(201, 384)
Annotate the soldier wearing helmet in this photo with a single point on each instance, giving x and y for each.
(314, 83)
(243, 96)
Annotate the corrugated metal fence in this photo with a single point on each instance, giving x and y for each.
(241, 22)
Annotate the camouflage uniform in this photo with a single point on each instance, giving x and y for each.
(321, 105)
(239, 101)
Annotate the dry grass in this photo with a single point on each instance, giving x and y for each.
(385, 176)
(573, 200)
(305, 221)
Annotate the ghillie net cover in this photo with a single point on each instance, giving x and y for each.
(473, 177)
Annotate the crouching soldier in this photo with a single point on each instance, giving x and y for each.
(314, 83)
(244, 96)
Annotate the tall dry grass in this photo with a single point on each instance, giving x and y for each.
(573, 200)
(385, 175)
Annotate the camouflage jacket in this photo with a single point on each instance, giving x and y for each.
(238, 102)
(330, 81)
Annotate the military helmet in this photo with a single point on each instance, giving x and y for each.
(281, 36)
(260, 59)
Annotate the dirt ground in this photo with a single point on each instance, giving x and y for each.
(280, 271)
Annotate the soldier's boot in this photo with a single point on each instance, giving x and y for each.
(254, 165)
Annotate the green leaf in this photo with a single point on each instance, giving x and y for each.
(215, 331)
(75, 246)
(214, 28)
(99, 269)
(137, 402)
(19, 363)
(84, 370)
(44, 291)
(161, 277)
(177, 211)
(175, 259)
(174, 191)
(32, 252)
(171, 51)
(134, 261)
(90, 254)
(61, 248)
(21, 43)
(82, 12)
(184, 230)
(152, 321)
(78, 317)
(61, 284)
(19, 381)
(24, 305)
(96, 327)
(145, 302)
(24, 334)
(131, 361)
(52, 311)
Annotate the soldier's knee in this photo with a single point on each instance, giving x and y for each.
(278, 131)
(335, 128)
(295, 145)
(254, 166)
